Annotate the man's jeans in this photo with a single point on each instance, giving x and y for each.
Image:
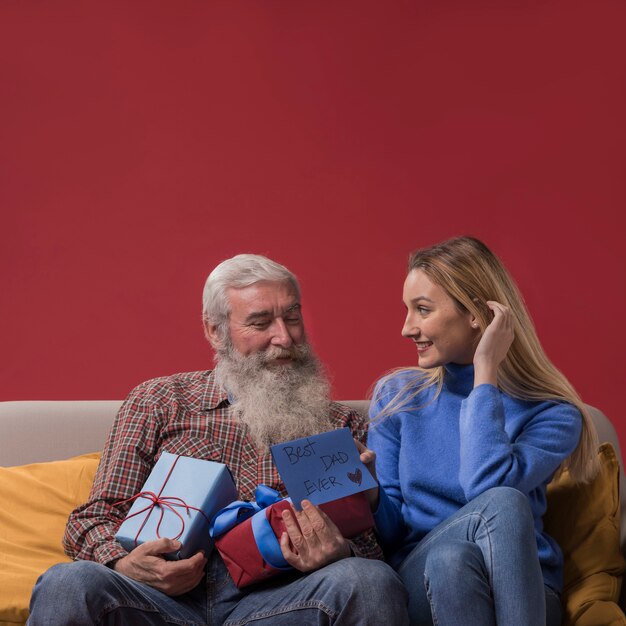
(352, 591)
(480, 567)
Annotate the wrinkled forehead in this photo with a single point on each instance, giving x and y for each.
(263, 297)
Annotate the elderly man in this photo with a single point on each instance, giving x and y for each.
(267, 387)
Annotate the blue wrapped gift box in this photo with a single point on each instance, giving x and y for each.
(177, 501)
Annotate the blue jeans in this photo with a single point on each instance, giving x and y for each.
(480, 566)
(352, 591)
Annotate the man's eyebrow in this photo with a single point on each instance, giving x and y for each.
(256, 315)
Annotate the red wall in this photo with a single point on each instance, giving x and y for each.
(143, 142)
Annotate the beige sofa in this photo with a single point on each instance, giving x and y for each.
(42, 432)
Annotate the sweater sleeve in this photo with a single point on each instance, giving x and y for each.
(384, 439)
(489, 457)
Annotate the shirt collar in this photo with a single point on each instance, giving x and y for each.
(214, 394)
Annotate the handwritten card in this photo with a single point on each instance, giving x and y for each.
(322, 467)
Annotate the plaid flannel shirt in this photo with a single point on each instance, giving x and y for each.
(187, 414)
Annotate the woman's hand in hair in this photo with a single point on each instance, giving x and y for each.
(493, 345)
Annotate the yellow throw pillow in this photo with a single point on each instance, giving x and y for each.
(35, 501)
(584, 519)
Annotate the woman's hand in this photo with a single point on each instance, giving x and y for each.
(368, 458)
(493, 345)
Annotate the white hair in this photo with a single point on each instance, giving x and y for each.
(238, 272)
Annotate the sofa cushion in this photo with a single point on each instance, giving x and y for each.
(584, 519)
(35, 501)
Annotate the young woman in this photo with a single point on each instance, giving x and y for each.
(466, 443)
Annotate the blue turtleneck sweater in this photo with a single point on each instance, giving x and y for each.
(435, 455)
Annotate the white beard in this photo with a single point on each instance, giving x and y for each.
(276, 403)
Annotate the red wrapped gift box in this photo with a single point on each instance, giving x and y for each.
(251, 549)
(351, 514)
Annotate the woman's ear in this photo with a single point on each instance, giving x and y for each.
(481, 307)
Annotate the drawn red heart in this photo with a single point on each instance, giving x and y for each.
(356, 477)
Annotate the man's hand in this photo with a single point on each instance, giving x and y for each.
(146, 564)
(368, 457)
(315, 543)
(493, 345)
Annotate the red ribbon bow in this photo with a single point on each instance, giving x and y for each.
(163, 503)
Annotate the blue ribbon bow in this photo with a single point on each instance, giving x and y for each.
(239, 511)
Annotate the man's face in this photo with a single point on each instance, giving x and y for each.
(276, 386)
(263, 316)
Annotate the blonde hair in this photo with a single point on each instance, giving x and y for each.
(471, 274)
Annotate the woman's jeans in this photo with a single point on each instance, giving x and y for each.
(480, 566)
(352, 591)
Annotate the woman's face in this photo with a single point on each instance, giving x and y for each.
(440, 331)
